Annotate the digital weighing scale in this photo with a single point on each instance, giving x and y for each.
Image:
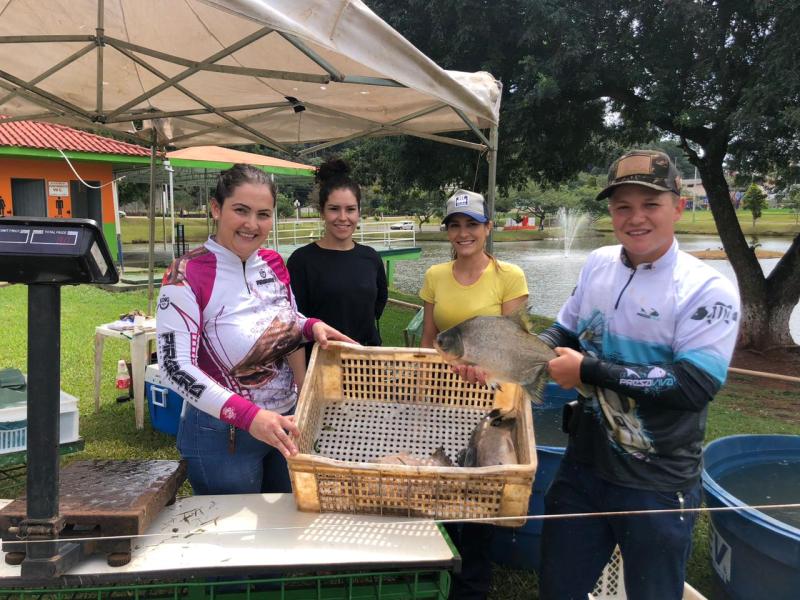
(98, 500)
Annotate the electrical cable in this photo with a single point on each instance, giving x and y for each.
(88, 185)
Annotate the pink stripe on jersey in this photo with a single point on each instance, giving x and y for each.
(200, 273)
(309, 324)
(275, 262)
(239, 412)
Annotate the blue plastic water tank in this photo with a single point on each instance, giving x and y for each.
(519, 548)
(754, 555)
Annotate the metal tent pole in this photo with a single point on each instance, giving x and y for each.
(164, 202)
(117, 226)
(491, 191)
(208, 208)
(171, 188)
(274, 215)
(151, 218)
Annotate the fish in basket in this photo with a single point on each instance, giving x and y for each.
(360, 405)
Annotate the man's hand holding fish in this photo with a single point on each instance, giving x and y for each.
(565, 370)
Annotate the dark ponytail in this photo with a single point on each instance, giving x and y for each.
(334, 174)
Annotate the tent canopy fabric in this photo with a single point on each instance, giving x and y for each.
(277, 72)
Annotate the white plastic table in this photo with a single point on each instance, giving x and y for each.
(235, 533)
(139, 338)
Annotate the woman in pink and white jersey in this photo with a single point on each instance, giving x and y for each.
(228, 339)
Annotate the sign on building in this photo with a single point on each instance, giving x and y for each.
(58, 188)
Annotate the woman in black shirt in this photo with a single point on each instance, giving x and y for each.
(335, 279)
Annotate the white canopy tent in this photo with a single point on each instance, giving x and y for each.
(295, 75)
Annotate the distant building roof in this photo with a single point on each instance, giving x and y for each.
(49, 136)
(228, 155)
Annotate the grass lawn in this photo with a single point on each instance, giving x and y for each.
(773, 221)
(743, 406)
(778, 222)
(135, 231)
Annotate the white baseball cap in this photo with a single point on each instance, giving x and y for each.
(464, 202)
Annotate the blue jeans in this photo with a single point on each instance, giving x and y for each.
(654, 547)
(253, 467)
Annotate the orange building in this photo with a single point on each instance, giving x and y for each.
(36, 180)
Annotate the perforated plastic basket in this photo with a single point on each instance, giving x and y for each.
(13, 436)
(14, 424)
(361, 403)
(611, 585)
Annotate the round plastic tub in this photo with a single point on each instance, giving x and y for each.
(755, 554)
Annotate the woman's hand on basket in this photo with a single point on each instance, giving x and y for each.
(324, 333)
(276, 430)
(470, 373)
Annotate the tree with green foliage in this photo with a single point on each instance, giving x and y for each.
(285, 206)
(754, 200)
(543, 201)
(718, 78)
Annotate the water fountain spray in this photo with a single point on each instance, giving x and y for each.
(570, 221)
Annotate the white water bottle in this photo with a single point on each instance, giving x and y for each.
(123, 376)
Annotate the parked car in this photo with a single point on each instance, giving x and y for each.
(122, 213)
(408, 225)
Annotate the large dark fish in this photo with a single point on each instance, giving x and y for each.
(504, 347)
(491, 442)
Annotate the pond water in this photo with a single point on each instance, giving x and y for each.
(551, 275)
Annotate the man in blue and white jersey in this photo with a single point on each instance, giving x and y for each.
(651, 329)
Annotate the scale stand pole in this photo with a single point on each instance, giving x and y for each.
(42, 521)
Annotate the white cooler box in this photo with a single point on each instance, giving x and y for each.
(14, 424)
(165, 404)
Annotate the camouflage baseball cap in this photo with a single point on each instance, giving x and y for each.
(649, 168)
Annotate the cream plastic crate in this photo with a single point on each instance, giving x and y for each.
(361, 403)
(14, 424)
(611, 585)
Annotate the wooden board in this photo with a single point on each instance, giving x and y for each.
(111, 497)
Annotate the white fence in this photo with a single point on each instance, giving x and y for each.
(299, 233)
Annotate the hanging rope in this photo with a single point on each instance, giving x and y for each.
(348, 526)
(88, 185)
(477, 168)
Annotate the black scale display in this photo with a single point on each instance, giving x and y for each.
(54, 251)
(45, 254)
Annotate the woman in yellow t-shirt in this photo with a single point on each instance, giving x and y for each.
(473, 284)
